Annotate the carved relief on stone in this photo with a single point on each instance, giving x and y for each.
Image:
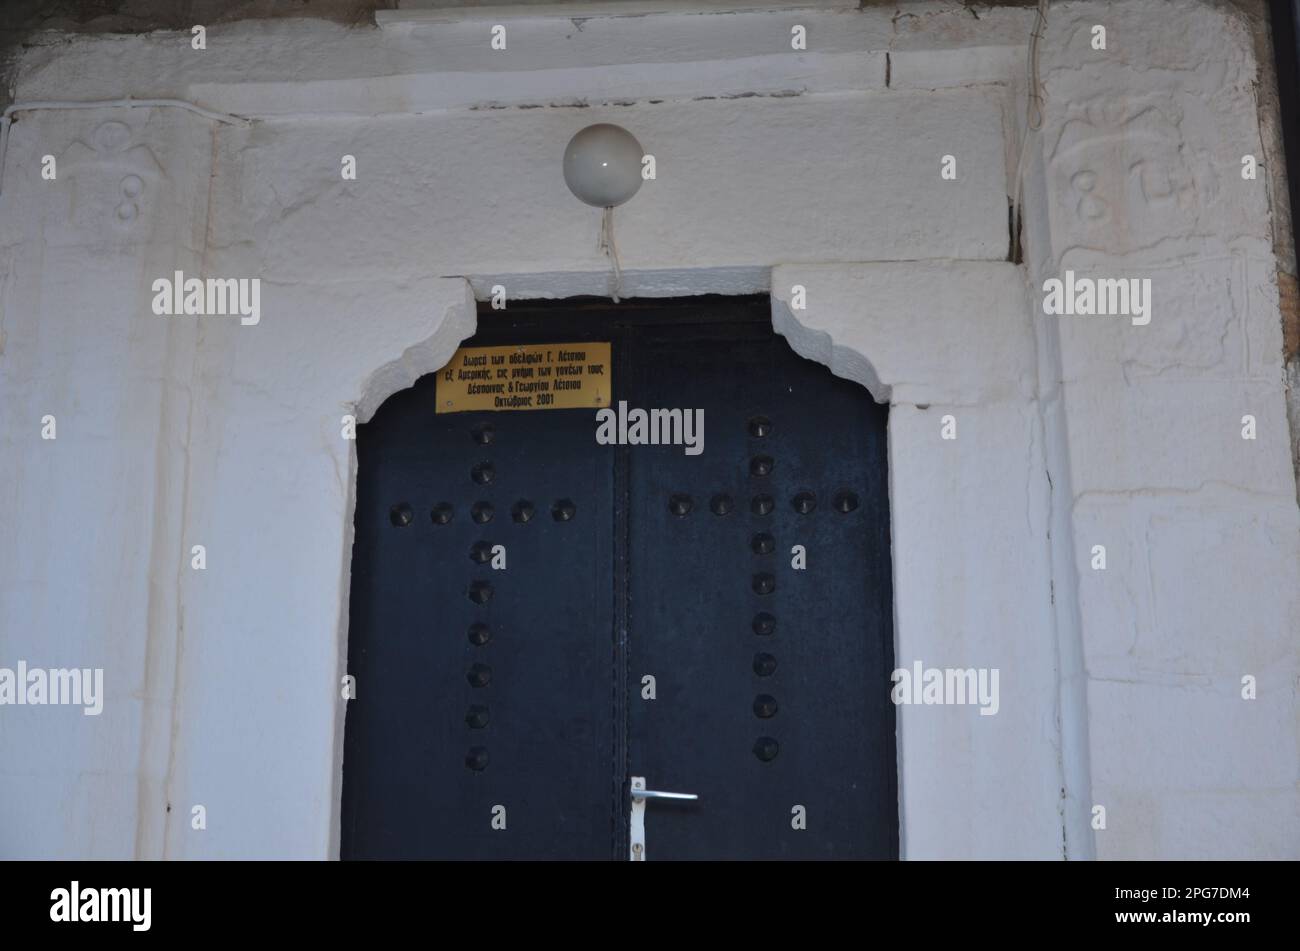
(111, 176)
(1124, 176)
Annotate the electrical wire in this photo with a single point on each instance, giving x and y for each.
(1033, 107)
(607, 247)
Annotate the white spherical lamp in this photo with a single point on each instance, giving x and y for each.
(602, 165)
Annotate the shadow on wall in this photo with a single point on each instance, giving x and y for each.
(144, 16)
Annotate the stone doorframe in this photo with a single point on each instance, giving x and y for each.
(970, 517)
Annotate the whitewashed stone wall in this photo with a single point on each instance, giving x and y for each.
(1120, 688)
(1142, 158)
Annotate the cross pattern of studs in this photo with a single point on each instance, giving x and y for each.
(763, 582)
(480, 591)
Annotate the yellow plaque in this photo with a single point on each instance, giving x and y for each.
(526, 376)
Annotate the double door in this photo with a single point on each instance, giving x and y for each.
(547, 628)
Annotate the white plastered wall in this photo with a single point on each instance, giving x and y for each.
(775, 168)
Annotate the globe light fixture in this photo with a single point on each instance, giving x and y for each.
(602, 167)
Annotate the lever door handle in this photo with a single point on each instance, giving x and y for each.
(656, 794)
(639, 794)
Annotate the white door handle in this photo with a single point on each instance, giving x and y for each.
(639, 795)
(656, 794)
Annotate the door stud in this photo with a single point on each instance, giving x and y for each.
(680, 505)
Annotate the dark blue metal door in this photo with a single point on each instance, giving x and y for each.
(501, 710)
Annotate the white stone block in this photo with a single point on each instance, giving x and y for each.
(919, 332)
(1177, 435)
(1195, 586)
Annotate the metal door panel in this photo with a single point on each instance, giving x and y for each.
(415, 784)
(693, 604)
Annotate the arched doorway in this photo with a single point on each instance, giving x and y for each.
(549, 606)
